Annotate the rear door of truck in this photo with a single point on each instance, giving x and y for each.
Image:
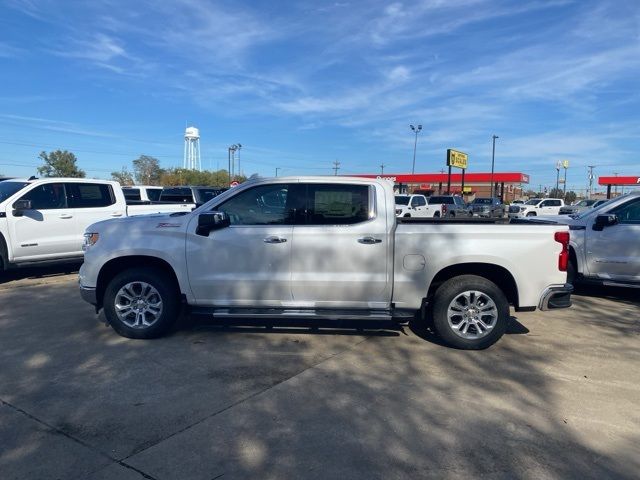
(340, 250)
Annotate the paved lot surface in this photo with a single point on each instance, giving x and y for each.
(557, 398)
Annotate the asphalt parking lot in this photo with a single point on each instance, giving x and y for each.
(557, 397)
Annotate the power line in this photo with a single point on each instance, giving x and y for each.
(336, 167)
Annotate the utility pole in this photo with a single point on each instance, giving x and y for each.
(565, 165)
(239, 147)
(558, 167)
(493, 161)
(615, 187)
(416, 130)
(336, 167)
(382, 169)
(278, 168)
(590, 167)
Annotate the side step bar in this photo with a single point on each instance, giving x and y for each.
(301, 314)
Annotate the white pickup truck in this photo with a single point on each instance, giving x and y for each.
(537, 207)
(322, 247)
(43, 220)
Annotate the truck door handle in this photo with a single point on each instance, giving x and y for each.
(65, 216)
(369, 240)
(116, 214)
(274, 239)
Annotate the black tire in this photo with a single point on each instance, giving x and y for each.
(453, 288)
(452, 214)
(168, 293)
(436, 215)
(407, 215)
(532, 214)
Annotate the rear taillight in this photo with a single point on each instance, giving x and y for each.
(444, 208)
(563, 260)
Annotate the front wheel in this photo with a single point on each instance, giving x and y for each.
(531, 214)
(141, 303)
(470, 312)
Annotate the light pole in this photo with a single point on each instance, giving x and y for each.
(231, 150)
(558, 167)
(278, 168)
(382, 169)
(239, 147)
(565, 165)
(415, 130)
(493, 161)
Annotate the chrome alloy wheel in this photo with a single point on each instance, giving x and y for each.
(138, 305)
(472, 314)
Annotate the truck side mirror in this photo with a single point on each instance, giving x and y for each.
(605, 220)
(20, 206)
(209, 221)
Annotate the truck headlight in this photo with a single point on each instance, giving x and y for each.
(90, 239)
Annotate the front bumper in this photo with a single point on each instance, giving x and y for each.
(89, 295)
(556, 296)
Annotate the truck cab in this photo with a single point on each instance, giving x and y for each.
(537, 207)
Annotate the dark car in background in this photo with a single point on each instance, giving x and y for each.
(490, 207)
(190, 194)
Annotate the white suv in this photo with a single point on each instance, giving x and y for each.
(537, 207)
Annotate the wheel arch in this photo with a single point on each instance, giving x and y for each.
(116, 265)
(494, 273)
(4, 253)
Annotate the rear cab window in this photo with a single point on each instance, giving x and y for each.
(177, 195)
(338, 204)
(89, 195)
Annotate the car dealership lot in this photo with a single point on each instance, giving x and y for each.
(557, 397)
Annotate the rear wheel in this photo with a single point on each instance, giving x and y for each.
(141, 303)
(470, 312)
(571, 272)
(436, 215)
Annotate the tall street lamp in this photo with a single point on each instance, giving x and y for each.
(415, 130)
(493, 161)
(558, 167)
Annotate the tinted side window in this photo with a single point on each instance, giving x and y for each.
(89, 195)
(459, 201)
(418, 201)
(335, 204)
(154, 194)
(177, 195)
(47, 197)
(629, 212)
(131, 194)
(262, 205)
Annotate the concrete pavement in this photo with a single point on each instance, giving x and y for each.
(555, 398)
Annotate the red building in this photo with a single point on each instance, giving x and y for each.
(618, 181)
(507, 185)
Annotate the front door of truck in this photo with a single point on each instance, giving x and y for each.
(614, 252)
(341, 251)
(248, 263)
(47, 229)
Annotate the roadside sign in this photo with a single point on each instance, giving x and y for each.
(234, 184)
(457, 159)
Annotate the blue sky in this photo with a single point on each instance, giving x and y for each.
(303, 83)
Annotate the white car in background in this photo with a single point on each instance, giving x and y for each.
(412, 206)
(537, 207)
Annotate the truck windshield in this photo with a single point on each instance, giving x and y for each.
(400, 200)
(7, 188)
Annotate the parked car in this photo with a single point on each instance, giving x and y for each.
(605, 243)
(321, 247)
(577, 207)
(537, 207)
(517, 202)
(411, 206)
(447, 206)
(190, 194)
(43, 220)
(142, 194)
(487, 207)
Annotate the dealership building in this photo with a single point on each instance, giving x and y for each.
(507, 185)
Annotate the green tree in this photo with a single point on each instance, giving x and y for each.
(183, 176)
(570, 197)
(556, 193)
(124, 177)
(60, 163)
(147, 170)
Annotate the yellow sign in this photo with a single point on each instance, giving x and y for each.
(467, 190)
(457, 159)
(565, 164)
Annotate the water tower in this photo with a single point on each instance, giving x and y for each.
(192, 149)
